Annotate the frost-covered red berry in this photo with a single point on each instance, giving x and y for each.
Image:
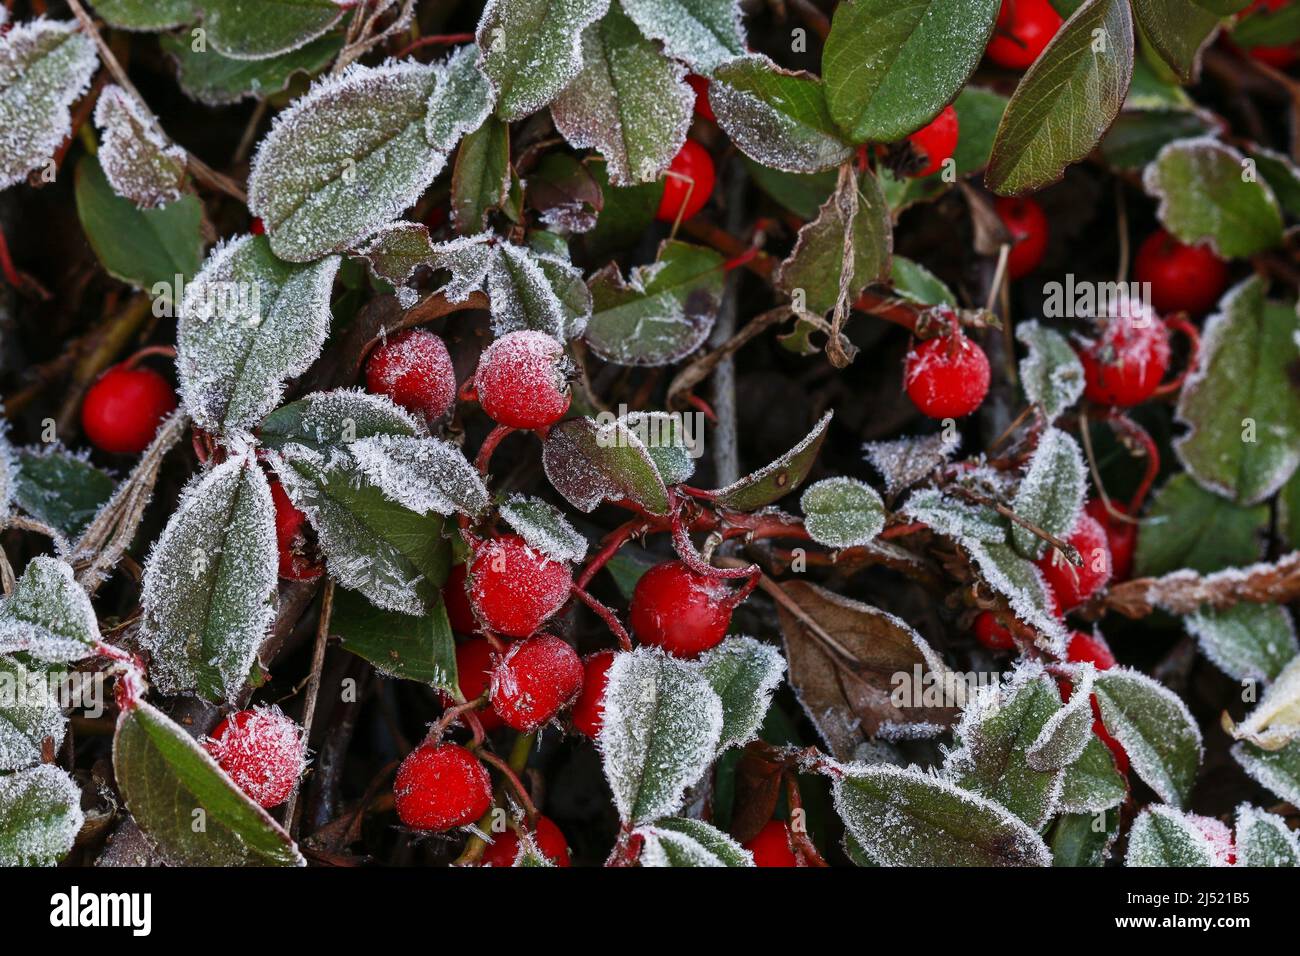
(1084, 647)
(992, 634)
(688, 184)
(703, 108)
(1121, 537)
(1124, 364)
(1183, 278)
(946, 377)
(262, 751)
(936, 141)
(771, 845)
(456, 600)
(414, 369)
(514, 588)
(680, 611)
(536, 679)
(123, 409)
(521, 380)
(1027, 224)
(1072, 586)
(296, 563)
(441, 786)
(474, 663)
(504, 848)
(1023, 30)
(589, 708)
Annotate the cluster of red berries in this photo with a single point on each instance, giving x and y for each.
(262, 751)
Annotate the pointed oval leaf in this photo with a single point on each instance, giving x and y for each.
(404, 646)
(60, 488)
(1162, 836)
(256, 31)
(681, 841)
(701, 33)
(480, 179)
(589, 462)
(544, 528)
(1050, 373)
(215, 80)
(1092, 784)
(29, 714)
(1022, 584)
(1264, 839)
(1179, 30)
(1051, 493)
(423, 474)
(1189, 527)
(1066, 734)
(1246, 641)
(49, 614)
(324, 422)
(777, 479)
(842, 512)
(1279, 770)
(40, 816)
(462, 99)
(140, 163)
(743, 672)
(1155, 729)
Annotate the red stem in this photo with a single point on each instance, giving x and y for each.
(1179, 323)
(530, 810)
(608, 616)
(1136, 433)
(445, 39)
(489, 446)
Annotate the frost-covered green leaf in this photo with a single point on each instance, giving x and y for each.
(40, 816)
(1021, 583)
(589, 462)
(257, 29)
(215, 80)
(1051, 493)
(210, 583)
(1092, 784)
(842, 512)
(345, 159)
(49, 615)
(544, 527)
(1275, 721)
(1066, 733)
(1084, 839)
(145, 14)
(1279, 770)
(1162, 836)
(702, 33)
(423, 474)
(405, 646)
(1179, 30)
(776, 117)
(915, 282)
(662, 312)
(743, 672)
(681, 841)
(1264, 839)
(536, 290)
(778, 478)
(140, 163)
(325, 422)
(29, 714)
(1189, 527)
(462, 99)
(1155, 729)
(248, 323)
(1282, 175)
(661, 727)
(630, 102)
(891, 66)
(905, 461)
(905, 817)
(670, 442)
(532, 49)
(954, 517)
(1241, 403)
(395, 252)
(1050, 373)
(45, 66)
(1246, 641)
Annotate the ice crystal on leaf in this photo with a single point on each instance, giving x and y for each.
(462, 99)
(423, 474)
(1051, 493)
(842, 512)
(1264, 839)
(29, 714)
(1154, 727)
(906, 461)
(1067, 732)
(40, 816)
(544, 528)
(1163, 836)
(681, 841)
(49, 614)
(1050, 372)
(703, 33)
(743, 672)
(140, 163)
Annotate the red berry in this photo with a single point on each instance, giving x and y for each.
(441, 786)
(680, 611)
(1023, 30)
(514, 589)
(504, 848)
(1183, 278)
(123, 409)
(1084, 647)
(262, 751)
(946, 377)
(771, 845)
(1027, 223)
(1072, 586)
(521, 380)
(936, 141)
(688, 183)
(703, 108)
(257, 227)
(992, 634)
(296, 563)
(474, 663)
(537, 678)
(1124, 364)
(1121, 536)
(1118, 753)
(414, 370)
(589, 709)
(456, 600)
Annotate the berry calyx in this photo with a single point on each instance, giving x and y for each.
(414, 369)
(536, 679)
(1027, 223)
(1183, 278)
(123, 409)
(1023, 30)
(992, 634)
(688, 184)
(262, 751)
(703, 108)
(456, 600)
(946, 377)
(771, 845)
(474, 663)
(504, 848)
(441, 786)
(682, 612)
(296, 561)
(513, 589)
(1072, 586)
(936, 141)
(1121, 537)
(1124, 364)
(522, 380)
(589, 709)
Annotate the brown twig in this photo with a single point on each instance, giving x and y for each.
(1185, 592)
(313, 688)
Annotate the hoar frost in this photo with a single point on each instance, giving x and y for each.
(138, 161)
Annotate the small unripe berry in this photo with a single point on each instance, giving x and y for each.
(521, 380)
(1125, 363)
(1072, 586)
(123, 409)
(1023, 30)
(536, 679)
(680, 611)
(1027, 224)
(688, 183)
(441, 786)
(513, 588)
(936, 141)
(414, 369)
(771, 845)
(504, 848)
(456, 600)
(589, 709)
(1183, 278)
(262, 751)
(296, 563)
(946, 377)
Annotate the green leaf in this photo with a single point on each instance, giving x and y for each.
(172, 788)
(589, 462)
(145, 14)
(842, 512)
(916, 283)
(40, 816)
(60, 489)
(891, 66)
(680, 841)
(1066, 101)
(1278, 770)
(421, 473)
(702, 33)
(1050, 373)
(776, 117)
(672, 447)
(662, 312)
(1021, 583)
(743, 672)
(395, 252)
(544, 527)
(481, 175)
(1189, 527)
(48, 615)
(1282, 176)
(325, 421)
(626, 212)
(777, 479)
(1161, 836)
(462, 99)
(1246, 641)
(1243, 404)
(256, 31)
(1092, 783)
(801, 193)
(344, 160)
(904, 817)
(408, 647)
(29, 713)
(1051, 493)
(1179, 30)
(139, 161)
(215, 80)
(146, 248)
(1077, 840)
(1264, 839)
(1155, 729)
(1204, 197)
(210, 583)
